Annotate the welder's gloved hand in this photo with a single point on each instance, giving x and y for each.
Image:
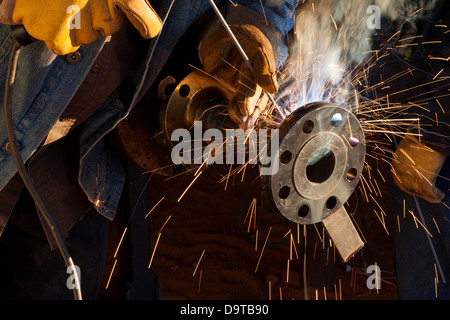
(64, 29)
(221, 58)
(416, 167)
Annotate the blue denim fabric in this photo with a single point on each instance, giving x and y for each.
(45, 84)
(414, 259)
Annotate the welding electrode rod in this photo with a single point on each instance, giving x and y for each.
(18, 160)
(241, 51)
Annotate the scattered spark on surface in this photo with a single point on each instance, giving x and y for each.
(332, 64)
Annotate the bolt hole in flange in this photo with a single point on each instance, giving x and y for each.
(336, 119)
(286, 157)
(184, 90)
(354, 140)
(351, 174)
(284, 192)
(303, 211)
(308, 126)
(331, 203)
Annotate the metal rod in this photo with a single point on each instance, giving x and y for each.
(242, 52)
(18, 160)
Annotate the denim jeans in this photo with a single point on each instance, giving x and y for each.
(416, 266)
(29, 269)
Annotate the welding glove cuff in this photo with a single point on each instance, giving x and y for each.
(221, 59)
(415, 169)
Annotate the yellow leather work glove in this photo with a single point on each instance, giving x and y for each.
(221, 58)
(416, 168)
(55, 21)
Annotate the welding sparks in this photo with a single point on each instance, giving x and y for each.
(154, 250)
(151, 210)
(110, 275)
(262, 250)
(331, 62)
(120, 241)
(192, 182)
(198, 263)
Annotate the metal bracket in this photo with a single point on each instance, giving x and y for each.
(343, 233)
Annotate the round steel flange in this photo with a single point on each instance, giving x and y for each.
(321, 153)
(192, 100)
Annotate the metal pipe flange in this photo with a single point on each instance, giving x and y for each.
(321, 153)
